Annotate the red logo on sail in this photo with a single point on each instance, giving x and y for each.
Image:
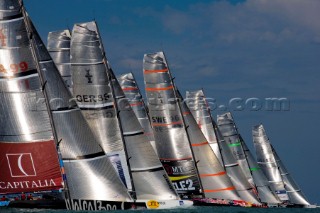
(21, 165)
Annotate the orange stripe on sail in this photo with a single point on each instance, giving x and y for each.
(129, 88)
(200, 144)
(136, 104)
(210, 175)
(186, 113)
(176, 159)
(159, 89)
(155, 71)
(219, 190)
(173, 123)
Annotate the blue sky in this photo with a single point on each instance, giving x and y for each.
(247, 48)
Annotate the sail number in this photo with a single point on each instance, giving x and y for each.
(183, 185)
(15, 68)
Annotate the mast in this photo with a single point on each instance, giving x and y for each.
(178, 97)
(81, 154)
(113, 120)
(172, 143)
(201, 112)
(281, 182)
(132, 92)
(213, 179)
(230, 133)
(295, 194)
(113, 79)
(267, 162)
(265, 193)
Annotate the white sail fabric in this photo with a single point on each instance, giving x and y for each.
(132, 92)
(201, 111)
(267, 162)
(59, 48)
(261, 141)
(120, 134)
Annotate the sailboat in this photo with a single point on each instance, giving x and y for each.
(114, 123)
(183, 150)
(132, 92)
(58, 46)
(25, 126)
(43, 116)
(201, 111)
(282, 182)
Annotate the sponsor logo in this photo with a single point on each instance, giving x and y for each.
(27, 184)
(181, 203)
(21, 165)
(153, 204)
(95, 205)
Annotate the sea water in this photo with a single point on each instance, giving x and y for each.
(187, 210)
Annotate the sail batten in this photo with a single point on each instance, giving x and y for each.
(25, 125)
(201, 111)
(132, 93)
(178, 136)
(282, 183)
(110, 116)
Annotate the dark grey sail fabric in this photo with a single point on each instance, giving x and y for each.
(132, 92)
(58, 114)
(59, 48)
(112, 119)
(263, 148)
(201, 111)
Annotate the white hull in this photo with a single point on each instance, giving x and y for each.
(167, 204)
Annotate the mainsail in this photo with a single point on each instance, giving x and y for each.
(113, 121)
(265, 193)
(215, 181)
(131, 90)
(25, 125)
(172, 143)
(59, 49)
(232, 137)
(275, 170)
(267, 162)
(90, 174)
(201, 112)
(179, 141)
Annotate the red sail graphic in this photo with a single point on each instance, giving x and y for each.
(29, 166)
